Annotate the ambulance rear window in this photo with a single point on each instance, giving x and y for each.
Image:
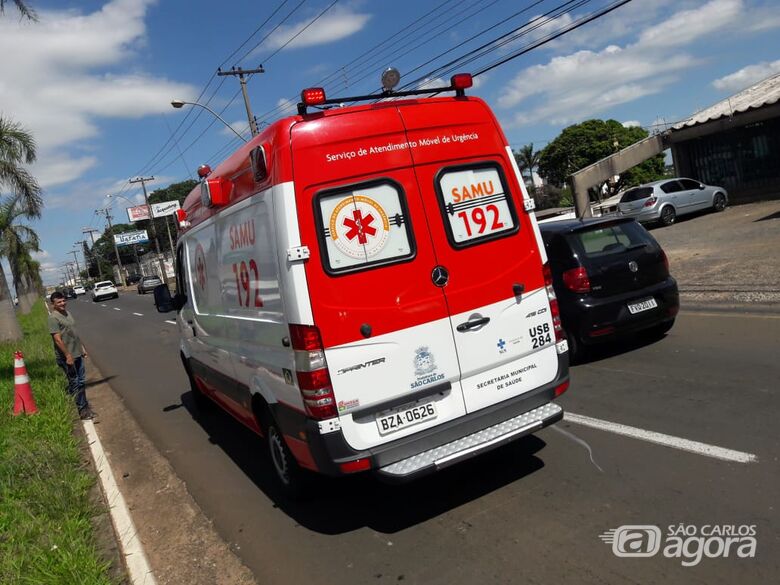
(363, 225)
(476, 203)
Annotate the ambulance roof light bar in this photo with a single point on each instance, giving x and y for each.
(315, 96)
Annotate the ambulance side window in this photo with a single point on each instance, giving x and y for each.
(476, 203)
(362, 226)
(181, 274)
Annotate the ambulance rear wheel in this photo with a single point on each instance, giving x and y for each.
(291, 478)
(202, 402)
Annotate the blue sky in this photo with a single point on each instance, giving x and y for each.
(93, 80)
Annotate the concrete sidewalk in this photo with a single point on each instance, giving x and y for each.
(727, 258)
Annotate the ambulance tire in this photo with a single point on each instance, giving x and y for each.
(202, 402)
(575, 348)
(295, 482)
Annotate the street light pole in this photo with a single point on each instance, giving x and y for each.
(143, 180)
(179, 103)
(116, 250)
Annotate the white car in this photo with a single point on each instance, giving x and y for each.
(79, 290)
(104, 289)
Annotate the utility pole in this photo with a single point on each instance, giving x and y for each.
(143, 180)
(84, 250)
(76, 258)
(116, 250)
(241, 72)
(91, 232)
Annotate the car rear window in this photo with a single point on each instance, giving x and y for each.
(636, 194)
(611, 239)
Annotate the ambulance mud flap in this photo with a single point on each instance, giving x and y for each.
(473, 444)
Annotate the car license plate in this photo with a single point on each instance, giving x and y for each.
(642, 306)
(401, 419)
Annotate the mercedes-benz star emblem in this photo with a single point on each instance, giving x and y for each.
(633, 266)
(440, 276)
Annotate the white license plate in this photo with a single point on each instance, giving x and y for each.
(643, 306)
(401, 419)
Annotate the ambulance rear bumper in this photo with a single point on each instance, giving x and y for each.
(444, 445)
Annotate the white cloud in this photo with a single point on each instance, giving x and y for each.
(631, 124)
(241, 126)
(58, 84)
(285, 107)
(572, 87)
(747, 76)
(336, 24)
(40, 255)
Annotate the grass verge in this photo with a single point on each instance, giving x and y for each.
(46, 533)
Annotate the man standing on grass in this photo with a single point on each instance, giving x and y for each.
(70, 352)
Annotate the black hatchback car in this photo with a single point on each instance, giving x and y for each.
(611, 278)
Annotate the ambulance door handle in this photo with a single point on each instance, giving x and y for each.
(473, 324)
(518, 289)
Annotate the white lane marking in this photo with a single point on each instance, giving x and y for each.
(117, 309)
(102, 305)
(139, 314)
(134, 556)
(736, 315)
(661, 439)
(171, 321)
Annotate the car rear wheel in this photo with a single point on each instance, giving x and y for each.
(575, 348)
(668, 215)
(719, 203)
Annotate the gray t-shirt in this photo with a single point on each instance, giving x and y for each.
(65, 325)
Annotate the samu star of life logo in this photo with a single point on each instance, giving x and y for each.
(359, 227)
(200, 267)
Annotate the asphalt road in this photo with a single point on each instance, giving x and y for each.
(531, 512)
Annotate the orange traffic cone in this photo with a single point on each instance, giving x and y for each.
(24, 401)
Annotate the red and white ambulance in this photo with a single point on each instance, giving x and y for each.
(366, 287)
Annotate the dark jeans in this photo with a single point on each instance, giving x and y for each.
(76, 380)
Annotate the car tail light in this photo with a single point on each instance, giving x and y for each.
(554, 309)
(650, 201)
(311, 370)
(576, 280)
(313, 96)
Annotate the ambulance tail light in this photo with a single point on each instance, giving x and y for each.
(555, 311)
(311, 370)
(313, 96)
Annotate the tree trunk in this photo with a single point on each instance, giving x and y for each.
(32, 294)
(22, 294)
(9, 326)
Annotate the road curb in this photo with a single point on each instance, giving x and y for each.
(137, 564)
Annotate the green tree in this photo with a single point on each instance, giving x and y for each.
(527, 159)
(23, 7)
(583, 144)
(17, 147)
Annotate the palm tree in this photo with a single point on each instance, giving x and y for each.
(17, 147)
(528, 159)
(23, 9)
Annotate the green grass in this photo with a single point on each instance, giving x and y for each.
(46, 534)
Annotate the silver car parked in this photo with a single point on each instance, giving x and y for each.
(662, 201)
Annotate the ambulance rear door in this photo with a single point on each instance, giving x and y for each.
(489, 258)
(384, 322)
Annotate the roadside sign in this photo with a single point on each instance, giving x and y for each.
(138, 213)
(127, 238)
(165, 208)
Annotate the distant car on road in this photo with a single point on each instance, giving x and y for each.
(104, 289)
(133, 278)
(611, 278)
(662, 201)
(69, 292)
(148, 283)
(79, 290)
